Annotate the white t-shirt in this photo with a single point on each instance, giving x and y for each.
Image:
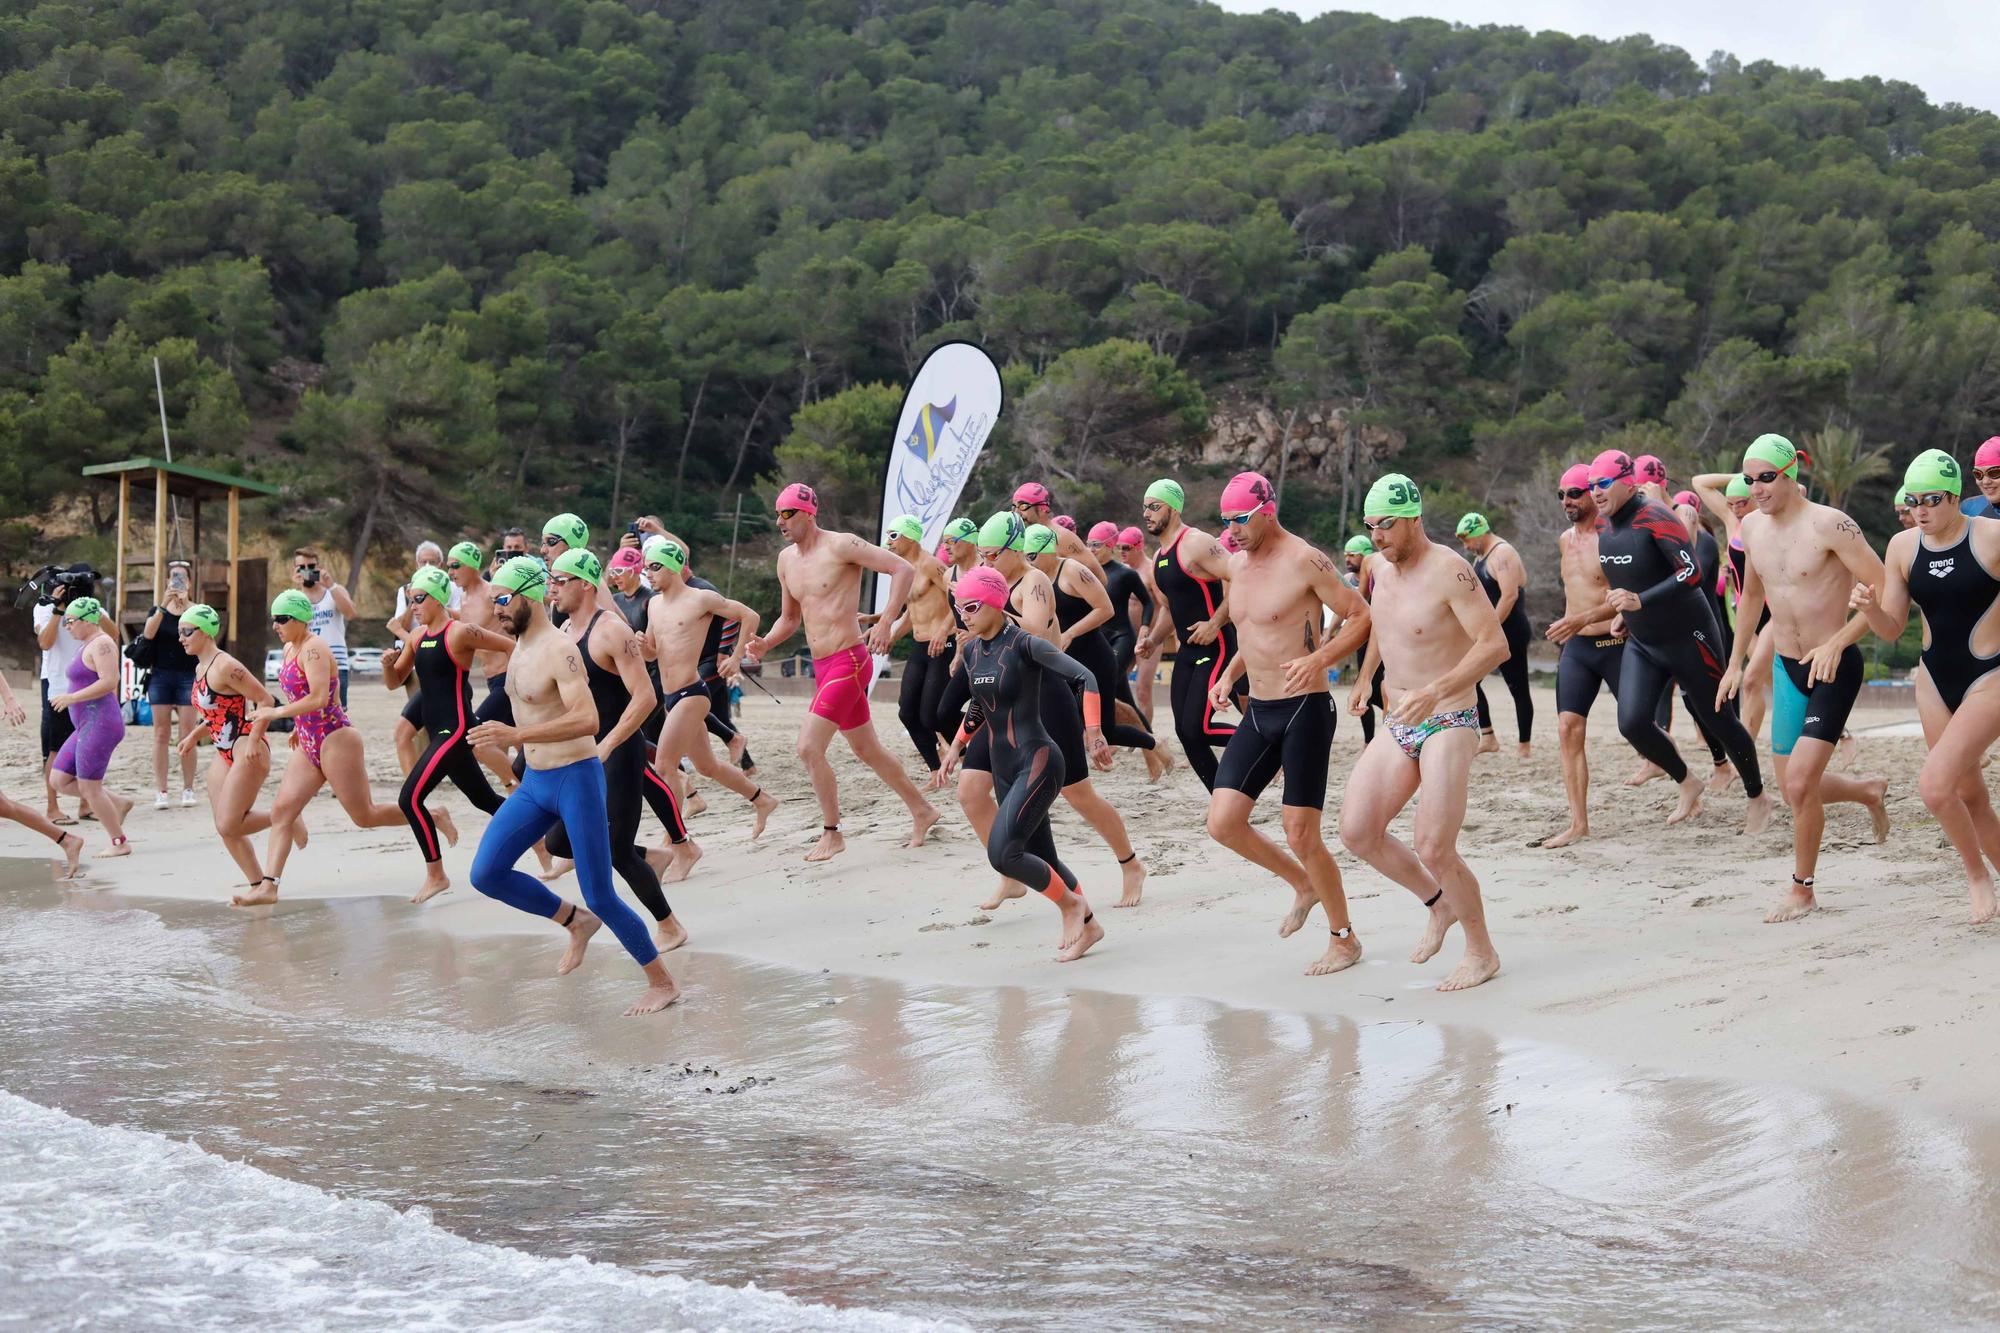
(57, 657)
(329, 625)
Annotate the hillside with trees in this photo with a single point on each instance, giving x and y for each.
(438, 265)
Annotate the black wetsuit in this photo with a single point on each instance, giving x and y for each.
(718, 642)
(1514, 670)
(925, 680)
(1191, 601)
(1010, 676)
(1093, 650)
(1125, 584)
(445, 701)
(1673, 639)
(1060, 715)
(627, 777)
(1955, 592)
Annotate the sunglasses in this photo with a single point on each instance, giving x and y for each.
(502, 598)
(1761, 479)
(1380, 526)
(1025, 505)
(1929, 501)
(788, 514)
(1986, 474)
(1571, 492)
(561, 581)
(1234, 520)
(655, 566)
(278, 622)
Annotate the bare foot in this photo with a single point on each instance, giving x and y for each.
(656, 998)
(1440, 922)
(1795, 904)
(1007, 889)
(1523, 751)
(763, 803)
(1154, 768)
(582, 925)
(830, 845)
(1166, 761)
(923, 821)
(1723, 775)
(435, 882)
(1303, 902)
(670, 934)
(1134, 887)
(261, 894)
(680, 861)
(1758, 816)
(555, 870)
(1690, 802)
(1878, 810)
(124, 804)
(1339, 956)
(123, 847)
(1646, 772)
(1574, 833)
(443, 820)
(1488, 743)
(72, 850)
(1076, 948)
(1472, 971)
(696, 803)
(1982, 901)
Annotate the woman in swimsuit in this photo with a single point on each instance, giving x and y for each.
(224, 689)
(326, 749)
(1945, 567)
(92, 704)
(1727, 496)
(26, 815)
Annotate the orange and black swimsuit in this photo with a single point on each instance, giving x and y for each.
(225, 715)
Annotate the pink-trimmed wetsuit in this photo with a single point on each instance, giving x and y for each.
(313, 728)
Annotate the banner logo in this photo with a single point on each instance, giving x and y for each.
(947, 415)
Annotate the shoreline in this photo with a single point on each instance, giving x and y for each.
(1643, 947)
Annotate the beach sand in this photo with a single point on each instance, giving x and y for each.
(1643, 948)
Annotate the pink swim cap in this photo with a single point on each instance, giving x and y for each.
(1611, 465)
(1575, 475)
(1031, 493)
(1104, 532)
(628, 557)
(1065, 521)
(1988, 454)
(1131, 537)
(1688, 498)
(1648, 468)
(1248, 492)
(799, 496)
(982, 583)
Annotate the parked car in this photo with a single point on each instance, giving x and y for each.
(273, 659)
(364, 661)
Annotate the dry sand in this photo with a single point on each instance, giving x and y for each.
(1644, 946)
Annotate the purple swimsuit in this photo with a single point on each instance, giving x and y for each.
(99, 727)
(310, 729)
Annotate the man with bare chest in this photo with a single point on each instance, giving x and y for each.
(1801, 557)
(1592, 651)
(819, 576)
(1280, 588)
(1436, 636)
(465, 564)
(927, 617)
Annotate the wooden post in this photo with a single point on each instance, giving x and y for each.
(233, 598)
(159, 531)
(118, 574)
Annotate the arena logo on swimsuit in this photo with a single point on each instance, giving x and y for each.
(1941, 569)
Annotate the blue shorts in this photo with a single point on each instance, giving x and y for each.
(170, 687)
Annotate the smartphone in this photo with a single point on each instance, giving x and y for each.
(177, 578)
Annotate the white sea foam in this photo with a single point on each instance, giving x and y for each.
(107, 1227)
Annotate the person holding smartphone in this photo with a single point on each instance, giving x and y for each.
(332, 608)
(170, 683)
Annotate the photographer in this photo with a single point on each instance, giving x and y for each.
(332, 609)
(170, 686)
(55, 588)
(513, 542)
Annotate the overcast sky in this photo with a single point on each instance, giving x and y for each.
(1949, 48)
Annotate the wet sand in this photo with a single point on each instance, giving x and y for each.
(1644, 946)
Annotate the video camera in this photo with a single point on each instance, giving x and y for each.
(53, 582)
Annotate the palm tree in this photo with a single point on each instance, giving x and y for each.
(1839, 463)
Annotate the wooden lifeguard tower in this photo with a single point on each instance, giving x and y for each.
(228, 584)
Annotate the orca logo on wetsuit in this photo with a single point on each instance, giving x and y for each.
(1604, 559)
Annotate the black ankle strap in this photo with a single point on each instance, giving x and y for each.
(564, 923)
(1805, 883)
(1130, 859)
(1432, 900)
(1344, 933)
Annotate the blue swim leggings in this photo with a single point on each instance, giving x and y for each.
(574, 795)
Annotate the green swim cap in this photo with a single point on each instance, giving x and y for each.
(569, 527)
(1933, 470)
(467, 554)
(1360, 546)
(1776, 450)
(961, 530)
(578, 563)
(1393, 496)
(659, 550)
(291, 602)
(1038, 539)
(202, 616)
(1474, 525)
(1003, 530)
(523, 574)
(1737, 489)
(432, 582)
(907, 525)
(89, 608)
(1168, 492)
